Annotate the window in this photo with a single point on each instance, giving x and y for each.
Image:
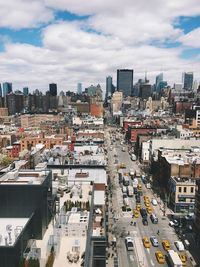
(192, 189)
(179, 189)
(185, 189)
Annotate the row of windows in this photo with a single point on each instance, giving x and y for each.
(185, 189)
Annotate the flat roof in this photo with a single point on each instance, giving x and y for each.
(10, 229)
(96, 175)
(26, 177)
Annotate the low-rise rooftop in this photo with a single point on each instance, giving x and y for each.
(10, 229)
(26, 177)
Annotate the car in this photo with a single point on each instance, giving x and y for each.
(154, 218)
(166, 244)
(138, 207)
(129, 243)
(154, 241)
(143, 212)
(146, 198)
(144, 221)
(189, 217)
(135, 190)
(146, 242)
(173, 223)
(160, 257)
(147, 204)
(183, 259)
(179, 245)
(138, 200)
(136, 213)
(139, 187)
(149, 210)
(154, 202)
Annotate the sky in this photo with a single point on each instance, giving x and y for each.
(72, 41)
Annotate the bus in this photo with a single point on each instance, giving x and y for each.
(129, 243)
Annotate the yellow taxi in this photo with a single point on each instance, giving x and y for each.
(122, 165)
(136, 213)
(146, 242)
(149, 210)
(183, 259)
(160, 257)
(146, 198)
(139, 186)
(147, 204)
(166, 244)
(125, 173)
(138, 207)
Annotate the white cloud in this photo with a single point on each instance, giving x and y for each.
(18, 14)
(191, 39)
(74, 52)
(70, 55)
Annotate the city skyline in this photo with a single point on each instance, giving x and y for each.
(66, 42)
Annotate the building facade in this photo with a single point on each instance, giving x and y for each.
(125, 81)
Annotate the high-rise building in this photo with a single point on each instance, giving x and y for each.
(0, 91)
(145, 90)
(159, 79)
(7, 88)
(79, 88)
(188, 80)
(125, 81)
(25, 91)
(53, 89)
(109, 86)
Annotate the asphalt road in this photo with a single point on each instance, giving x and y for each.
(122, 220)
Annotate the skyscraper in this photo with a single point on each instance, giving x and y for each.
(159, 79)
(109, 86)
(125, 81)
(53, 89)
(7, 88)
(79, 88)
(25, 91)
(0, 91)
(188, 80)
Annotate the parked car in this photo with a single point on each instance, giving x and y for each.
(173, 223)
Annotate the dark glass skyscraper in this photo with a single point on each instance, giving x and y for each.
(25, 91)
(125, 81)
(7, 88)
(109, 86)
(53, 89)
(188, 80)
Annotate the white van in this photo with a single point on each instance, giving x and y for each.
(124, 189)
(179, 245)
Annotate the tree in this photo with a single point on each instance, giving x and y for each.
(5, 161)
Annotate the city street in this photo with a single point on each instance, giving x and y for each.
(121, 221)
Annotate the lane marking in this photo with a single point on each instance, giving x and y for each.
(131, 258)
(152, 263)
(148, 250)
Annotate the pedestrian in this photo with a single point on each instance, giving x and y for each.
(158, 232)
